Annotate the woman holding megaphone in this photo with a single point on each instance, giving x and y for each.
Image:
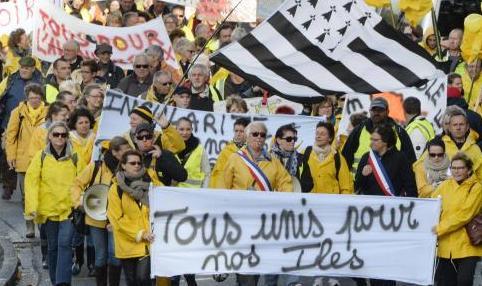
(90, 193)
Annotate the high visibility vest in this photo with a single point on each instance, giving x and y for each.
(215, 94)
(424, 126)
(51, 93)
(195, 176)
(364, 146)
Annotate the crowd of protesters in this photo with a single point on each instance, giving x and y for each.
(49, 115)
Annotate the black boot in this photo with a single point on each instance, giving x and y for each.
(101, 275)
(79, 259)
(91, 260)
(114, 275)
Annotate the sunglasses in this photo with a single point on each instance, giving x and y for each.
(433, 155)
(290, 139)
(258, 134)
(142, 66)
(60, 135)
(166, 83)
(135, 163)
(144, 137)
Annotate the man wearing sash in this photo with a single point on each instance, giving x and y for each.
(252, 168)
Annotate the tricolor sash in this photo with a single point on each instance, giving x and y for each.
(381, 175)
(258, 174)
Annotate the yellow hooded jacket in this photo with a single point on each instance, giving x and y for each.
(470, 148)
(48, 185)
(129, 221)
(460, 203)
(324, 175)
(21, 126)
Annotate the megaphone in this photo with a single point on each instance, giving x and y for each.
(95, 201)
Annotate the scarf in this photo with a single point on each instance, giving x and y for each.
(34, 114)
(239, 144)
(21, 52)
(289, 159)
(322, 152)
(436, 174)
(136, 187)
(191, 144)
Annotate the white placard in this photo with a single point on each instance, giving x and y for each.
(54, 27)
(213, 129)
(432, 96)
(14, 15)
(255, 105)
(216, 231)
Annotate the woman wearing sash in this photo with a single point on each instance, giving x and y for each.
(253, 168)
(107, 267)
(385, 171)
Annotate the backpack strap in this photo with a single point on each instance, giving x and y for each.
(337, 164)
(97, 165)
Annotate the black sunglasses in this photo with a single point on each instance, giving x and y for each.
(142, 66)
(144, 137)
(290, 139)
(60, 135)
(258, 134)
(135, 163)
(433, 155)
(166, 83)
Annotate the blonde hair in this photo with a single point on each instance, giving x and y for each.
(71, 86)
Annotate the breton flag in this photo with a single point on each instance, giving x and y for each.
(310, 48)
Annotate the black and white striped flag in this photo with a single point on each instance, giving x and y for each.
(310, 48)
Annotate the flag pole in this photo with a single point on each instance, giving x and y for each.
(169, 96)
(437, 34)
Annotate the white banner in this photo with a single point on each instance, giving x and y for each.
(433, 98)
(214, 130)
(206, 232)
(255, 105)
(54, 27)
(14, 15)
(245, 12)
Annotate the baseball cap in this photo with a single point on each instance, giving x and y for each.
(103, 48)
(379, 102)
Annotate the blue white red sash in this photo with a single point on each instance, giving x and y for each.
(258, 175)
(381, 175)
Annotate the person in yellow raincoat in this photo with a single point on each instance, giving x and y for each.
(461, 202)
(128, 213)
(81, 124)
(48, 181)
(239, 140)
(107, 267)
(24, 119)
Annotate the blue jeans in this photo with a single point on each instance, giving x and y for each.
(104, 247)
(59, 239)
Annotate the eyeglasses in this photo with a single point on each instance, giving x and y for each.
(433, 155)
(141, 66)
(135, 163)
(458, 168)
(166, 83)
(144, 137)
(59, 135)
(259, 134)
(290, 139)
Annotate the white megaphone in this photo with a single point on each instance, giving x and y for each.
(95, 201)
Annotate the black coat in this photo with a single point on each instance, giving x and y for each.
(399, 170)
(168, 168)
